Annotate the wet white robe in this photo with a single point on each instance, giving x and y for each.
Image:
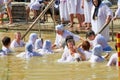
(113, 61)
(14, 44)
(103, 13)
(59, 40)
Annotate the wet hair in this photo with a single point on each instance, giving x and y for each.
(6, 41)
(70, 40)
(89, 33)
(68, 37)
(85, 45)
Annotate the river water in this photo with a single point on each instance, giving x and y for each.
(47, 68)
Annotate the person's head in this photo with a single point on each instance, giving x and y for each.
(18, 36)
(39, 43)
(85, 45)
(90, 35)
(70, 43)
(47, 45)
(97, 50)
(96, 3)
(29, 47)
(59, 29)
(6, 41)
(33, 37)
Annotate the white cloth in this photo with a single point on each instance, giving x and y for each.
(94, 59)
(32, 39)
(113, 61)
(87, 54)
(103, 13)
(38, 44)
(28, 52)
(99, 39)
(118, 3)
(67, 57)
(74, 6)
(117, 13)
(46, 49)
(6, 50)
(2, 7)
(2, 53)
(87, 10)
(36, 5)
(96, 54)
(14, 44)
(59, 40)
(64, 10)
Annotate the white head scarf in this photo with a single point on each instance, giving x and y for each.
(59, 27)
(47, 47)
(97, 50)
(32, 38)
(38, 44)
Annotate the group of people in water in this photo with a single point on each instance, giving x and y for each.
(90, 49)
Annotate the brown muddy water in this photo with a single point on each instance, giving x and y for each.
(47, 67)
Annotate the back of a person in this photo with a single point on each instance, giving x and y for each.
(99, 39)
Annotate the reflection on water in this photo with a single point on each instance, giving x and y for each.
(47, 68)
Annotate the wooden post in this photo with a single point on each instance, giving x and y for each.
(41, 14)
(118, 47)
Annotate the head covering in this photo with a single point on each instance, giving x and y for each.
(47, 47)
(28, 47)
(38, 44)
(97, 50)
(95, 14)
(32, 38)
(59, 27)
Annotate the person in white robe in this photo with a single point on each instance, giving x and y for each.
(32, 39)
(28, 52)
(74, 9)
(64, 15)
(96, 54)
(17, 42)
(87, 5)
(73, 53)
(117, 13)
(6, 41)
(47, 48)
(113, 61)
(61, 35)
(99, 39)
(38, 44)
(85, 45)
(101, 15)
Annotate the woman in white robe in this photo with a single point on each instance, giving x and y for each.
(61, 35)
(32, 39)
(64, 15)
(87, 5)
(38, 44)
(28, 52)
(47, 48)
(100, 16)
